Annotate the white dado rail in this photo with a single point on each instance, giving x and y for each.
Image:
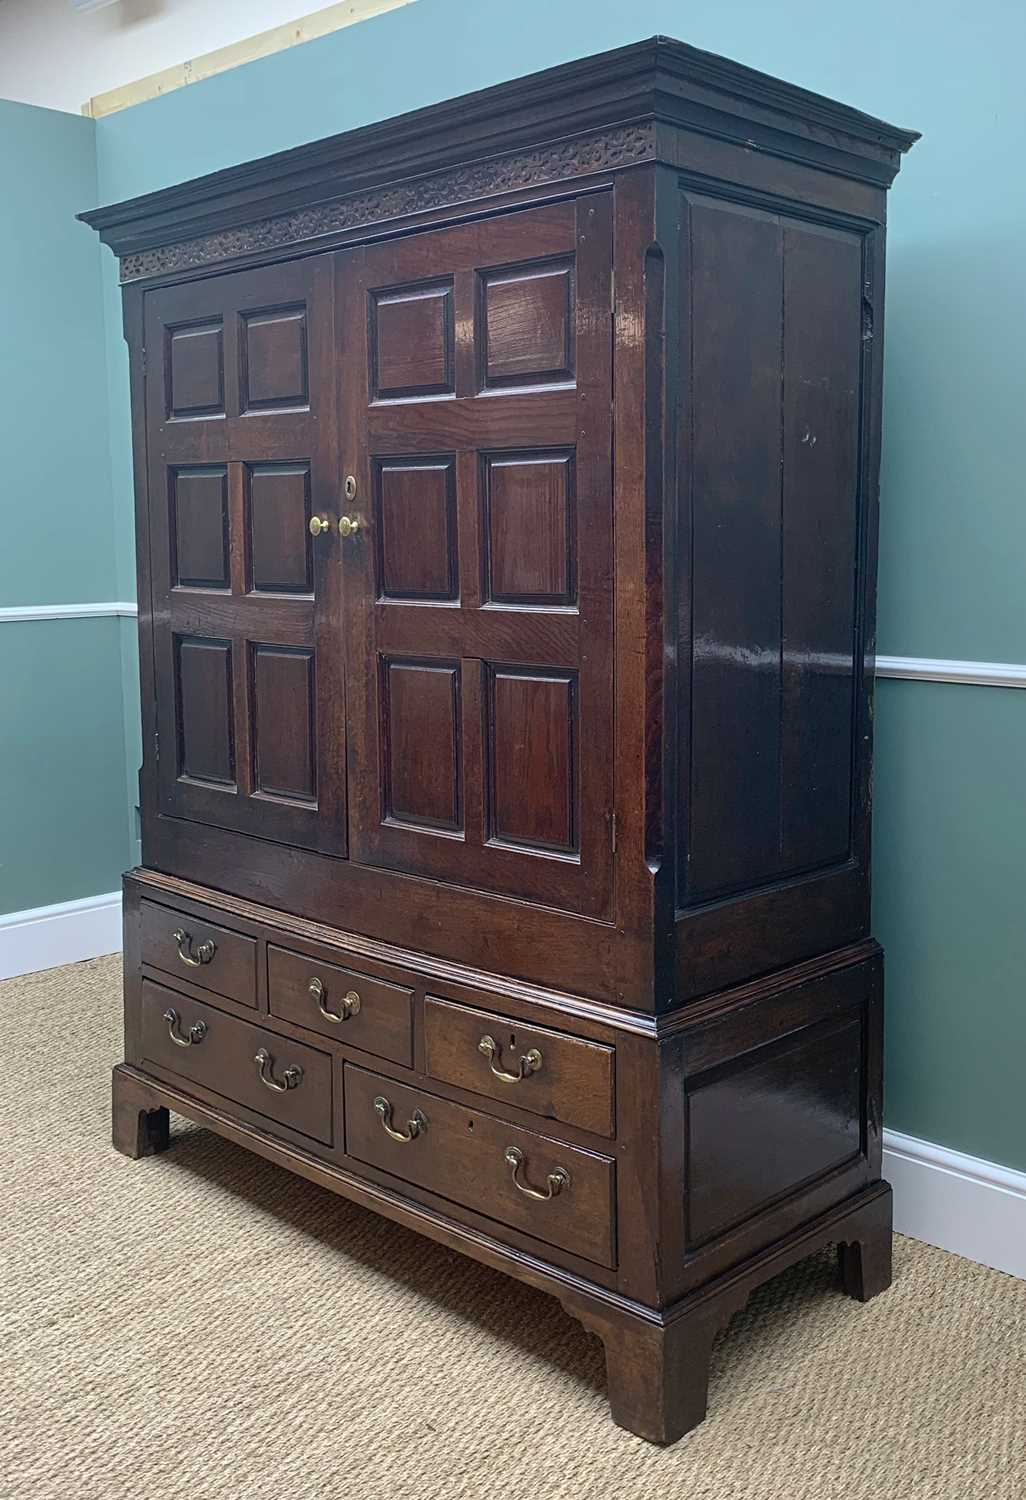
(1008, 674)
(20, 612)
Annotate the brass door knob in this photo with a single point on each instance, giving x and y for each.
(321, 523)
(348, 525)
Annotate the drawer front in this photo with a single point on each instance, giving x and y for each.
(202, 952)
(341, 1004)
(461, 1154)
(551, 1074)
(206, 1046)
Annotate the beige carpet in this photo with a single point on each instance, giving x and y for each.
(202, 1326)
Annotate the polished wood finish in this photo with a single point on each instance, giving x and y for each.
(657, 1363)
(506, 527)
(240, 417)
(138, 1127)
(459, 1154)
(215, 956)
(569, 1079)
(319, 996)
(467, 720)
(224, 1057)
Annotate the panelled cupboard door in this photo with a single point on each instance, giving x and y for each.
(476, 424)
(241, 433)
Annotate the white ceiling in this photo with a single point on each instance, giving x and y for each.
(57, 57)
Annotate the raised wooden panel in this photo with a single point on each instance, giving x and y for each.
(420, 703)
(203, 700)
(529, 529)
(769, 1123)
(735, 620)
(283, 721)
(277, 521)
(532, 758)
(415, 500)
(273, 360)
(411, 342)
(526, 335)
(775, 331)
(194, 370)
(198, 528)
(821, 393)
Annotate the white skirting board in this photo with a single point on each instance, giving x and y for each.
(971, 1207)
(48, 936)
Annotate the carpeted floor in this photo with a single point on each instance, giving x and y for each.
(203, 1326)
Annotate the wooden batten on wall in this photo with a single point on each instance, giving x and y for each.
(306, 29)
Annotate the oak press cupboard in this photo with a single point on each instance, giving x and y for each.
(506, 484)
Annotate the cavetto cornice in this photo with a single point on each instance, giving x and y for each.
(597, 115)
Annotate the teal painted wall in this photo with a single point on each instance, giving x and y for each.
(62, 762)
(950, 830)
(54, 432)
(951, 824)
(64, 830)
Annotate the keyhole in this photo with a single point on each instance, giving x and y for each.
(512, 1039)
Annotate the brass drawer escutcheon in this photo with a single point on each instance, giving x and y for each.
(348, 1006)
(558, 1178)
(529, 1063)
(290, 1079)
(414, 1125)
(197, 1031)
(194, 957)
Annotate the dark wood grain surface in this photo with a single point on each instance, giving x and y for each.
(224, 1058)
(215, 956)
(572, 1081)
(506, 527)
(311, 993)
(460, 1155)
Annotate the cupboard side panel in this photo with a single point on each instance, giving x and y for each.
(777, 426)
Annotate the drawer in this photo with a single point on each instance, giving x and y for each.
(208, 955)
(551, 1074)
(465, 1156)
(342, 1004)
(271, 1074)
